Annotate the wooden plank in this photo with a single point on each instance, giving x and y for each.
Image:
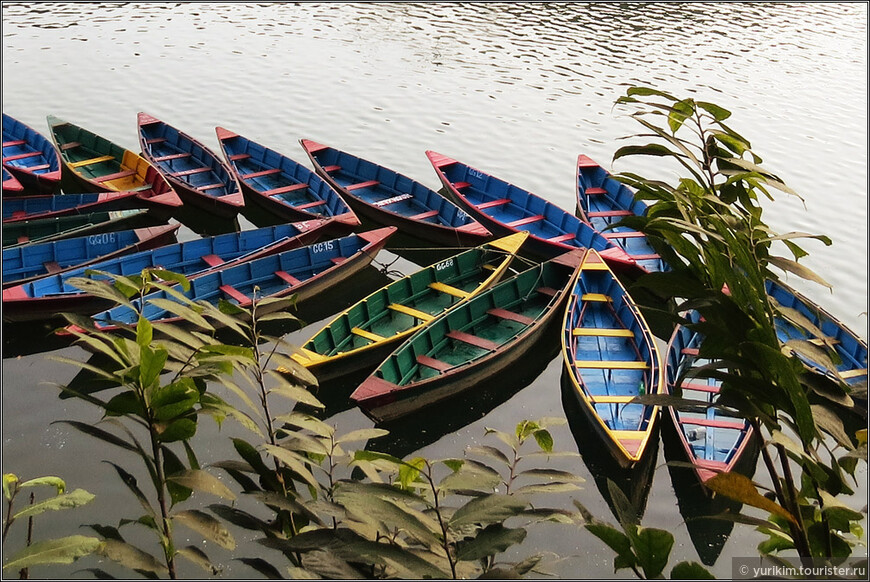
(450, 290)
(21, 156)
(461, 185)
(393, 200)
(287, 277)
(234, 293)
(172, 157)
(433, 363)
(285, 189)
(115, 176)
(601, 331)
(612, 364)
(261, 173)
(623, 234)
(595, 191)
(713, 423)
(373, 337)
(424, 215)
(328, 169)
(51, 266)
(598, 297)
(562, 237)
(190, 172)
(853, 373)
(69, 145)
(698, 387)
(91, 161)
(526, 220)
(358, 185)
(13, 143)
(609, 213)
(308, 205)
(610, 399)
(205, 187)
(473, 340)
(510, 315)
(410, 311)
(649, 257)
(152, 140)
(237, 157)
(491, 203)
(212, 260)
(547, 291)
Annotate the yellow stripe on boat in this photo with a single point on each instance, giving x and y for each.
(629, 435)
(511, 243)
(612, 365)
(411, 311)
(595, 297)
(601, 331)
(444, 288)
(608, 399)
(590, 266)
(91, 161)
(367, 334)
(305, 357)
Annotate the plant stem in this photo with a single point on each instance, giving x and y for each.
(160, 486)
(804, 547)
(445, 543)
(9, 518)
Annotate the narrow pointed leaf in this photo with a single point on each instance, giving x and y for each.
(490, 509)
(73, 499)
(132, 557)
(207, 526)
(60, 551)
(203, 481)
(198, 557)
(741, 488)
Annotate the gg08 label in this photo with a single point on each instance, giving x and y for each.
(101, 239)
(444, 265)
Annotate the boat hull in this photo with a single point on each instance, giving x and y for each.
(31, 158)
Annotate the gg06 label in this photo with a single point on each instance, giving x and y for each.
(101, 239)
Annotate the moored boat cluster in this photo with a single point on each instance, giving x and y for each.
(518, 271)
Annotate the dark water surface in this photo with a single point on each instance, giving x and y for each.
(517, 90)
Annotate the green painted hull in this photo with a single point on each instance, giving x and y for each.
(363, 335)
(471, 342)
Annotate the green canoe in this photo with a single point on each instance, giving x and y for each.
(363, 335)
(472, 342)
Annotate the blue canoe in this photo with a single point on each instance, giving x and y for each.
(603, 201)
(24, 264)
(11, 185)
(52, 295)
(713, 440)
(504, 209)
(295, 276)
(196, 173)
(389, 198)
(282, 186)
(610, 357)
(30, 157)
(31, 207)
(825, 332)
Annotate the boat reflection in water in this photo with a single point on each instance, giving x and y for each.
(420, 429)
(203, 223)
(634, 482)
(698, 505)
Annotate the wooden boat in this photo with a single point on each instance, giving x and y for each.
(11, 185)
(41, 230)
(282, 186)
(95, 164)
(196, 173)
(603, 201)
(504, 208)
(389, 198)
(471, 342)
(825, 332)
(28, 263)
(610, 357)
(52, 295)
(296, 276)
(363, 335)
(34, 207)
(30, 157)
(712, 440)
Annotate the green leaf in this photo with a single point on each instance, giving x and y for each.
(126, 402)
(652, 548)
(491, 540)
(648, 92)
(294, 392)
(616, 541)
(679, 113)
(294, 462)
(389, 515)
(492, 452)
(151, 365)
(718, 113)
(180, 429)
(363, 434)
(798, 269)
(198, 557)
(544, 440)
(50, 481)
(174, 399)
(60, 551)
(207, 526)
(9, 480)
(132, 557)
(740, 488)
(200, 480)
(73, 499)
(493, 508)
(173, 277)
(269, 571)
(471, 478)
(131, 483)
(690, 571)
(144, 332)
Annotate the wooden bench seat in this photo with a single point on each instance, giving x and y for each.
(424, 215)
(190, 172)
(260, 174)
(172, 157)
(21, 156)
(287, 277)
(91, 161)
(358, 185)
(115, 176)
(526, 220)
(234, 293)
(433, 363)
(609, 213)
(472, 340)
(308, 205)
(285, 189)
(491, 203)
(510, 315)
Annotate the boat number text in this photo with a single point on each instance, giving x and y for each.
(322, 246)
(444, 265)
(101, 239)
(475, 173)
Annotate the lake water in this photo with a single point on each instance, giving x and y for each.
(517, 90)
